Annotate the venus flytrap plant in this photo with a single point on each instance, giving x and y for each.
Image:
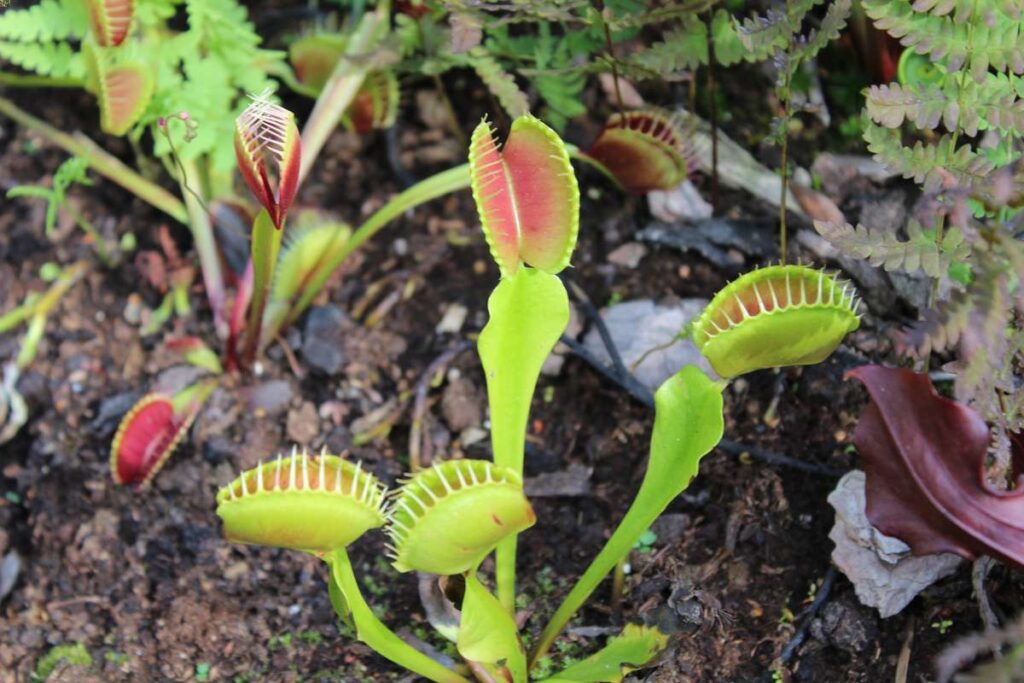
(528, 201)
(447, 519)
(269, 156)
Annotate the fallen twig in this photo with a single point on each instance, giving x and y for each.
(419, 450)
(807, 616)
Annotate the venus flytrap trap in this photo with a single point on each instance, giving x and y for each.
(269, 155)
(314, 58)
(151, 430)
(775, 316)
(641, 151)
(424, 518)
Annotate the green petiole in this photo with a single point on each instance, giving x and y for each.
(374, 633)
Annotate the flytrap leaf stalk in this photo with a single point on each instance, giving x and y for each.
(446, 519)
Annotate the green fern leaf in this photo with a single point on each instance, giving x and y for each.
(46, 59)
(561, 95)
(831, 26)
(50, 20)
(934, 166)
(501, 83)
(763, 36)
(682, 48)
(882, 247)
(729, 48)
(977, 44)
(926, 105)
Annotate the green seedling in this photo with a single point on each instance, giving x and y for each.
(73, 655)
(72, 171)
(34, 312)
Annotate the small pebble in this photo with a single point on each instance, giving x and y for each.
(133, 310)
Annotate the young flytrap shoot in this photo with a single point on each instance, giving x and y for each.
(743, 282)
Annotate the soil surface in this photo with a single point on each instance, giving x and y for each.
(145, 582)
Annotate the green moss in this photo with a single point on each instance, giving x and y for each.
(73, 655)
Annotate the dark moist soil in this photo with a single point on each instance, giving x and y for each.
(145, 582)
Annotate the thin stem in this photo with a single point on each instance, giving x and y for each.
(265, 246)
(373, 632)
(88, 229)
(619, 585)
(713, 110)
(101, 161)
(784, 167)
(33, 81)
(610, 47)
(206, 247)
(453, 118)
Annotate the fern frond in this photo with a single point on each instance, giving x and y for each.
(683, 48)
(46, 59)
(882, 247)
(561, 95)
(993, 104)
(50, 20)
(935, 166)
(939, 329)
(997, 46)
(831, 26)
(501, 83)
(963, 11)
(1011, 8)
(925, 105)
(763, 36)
